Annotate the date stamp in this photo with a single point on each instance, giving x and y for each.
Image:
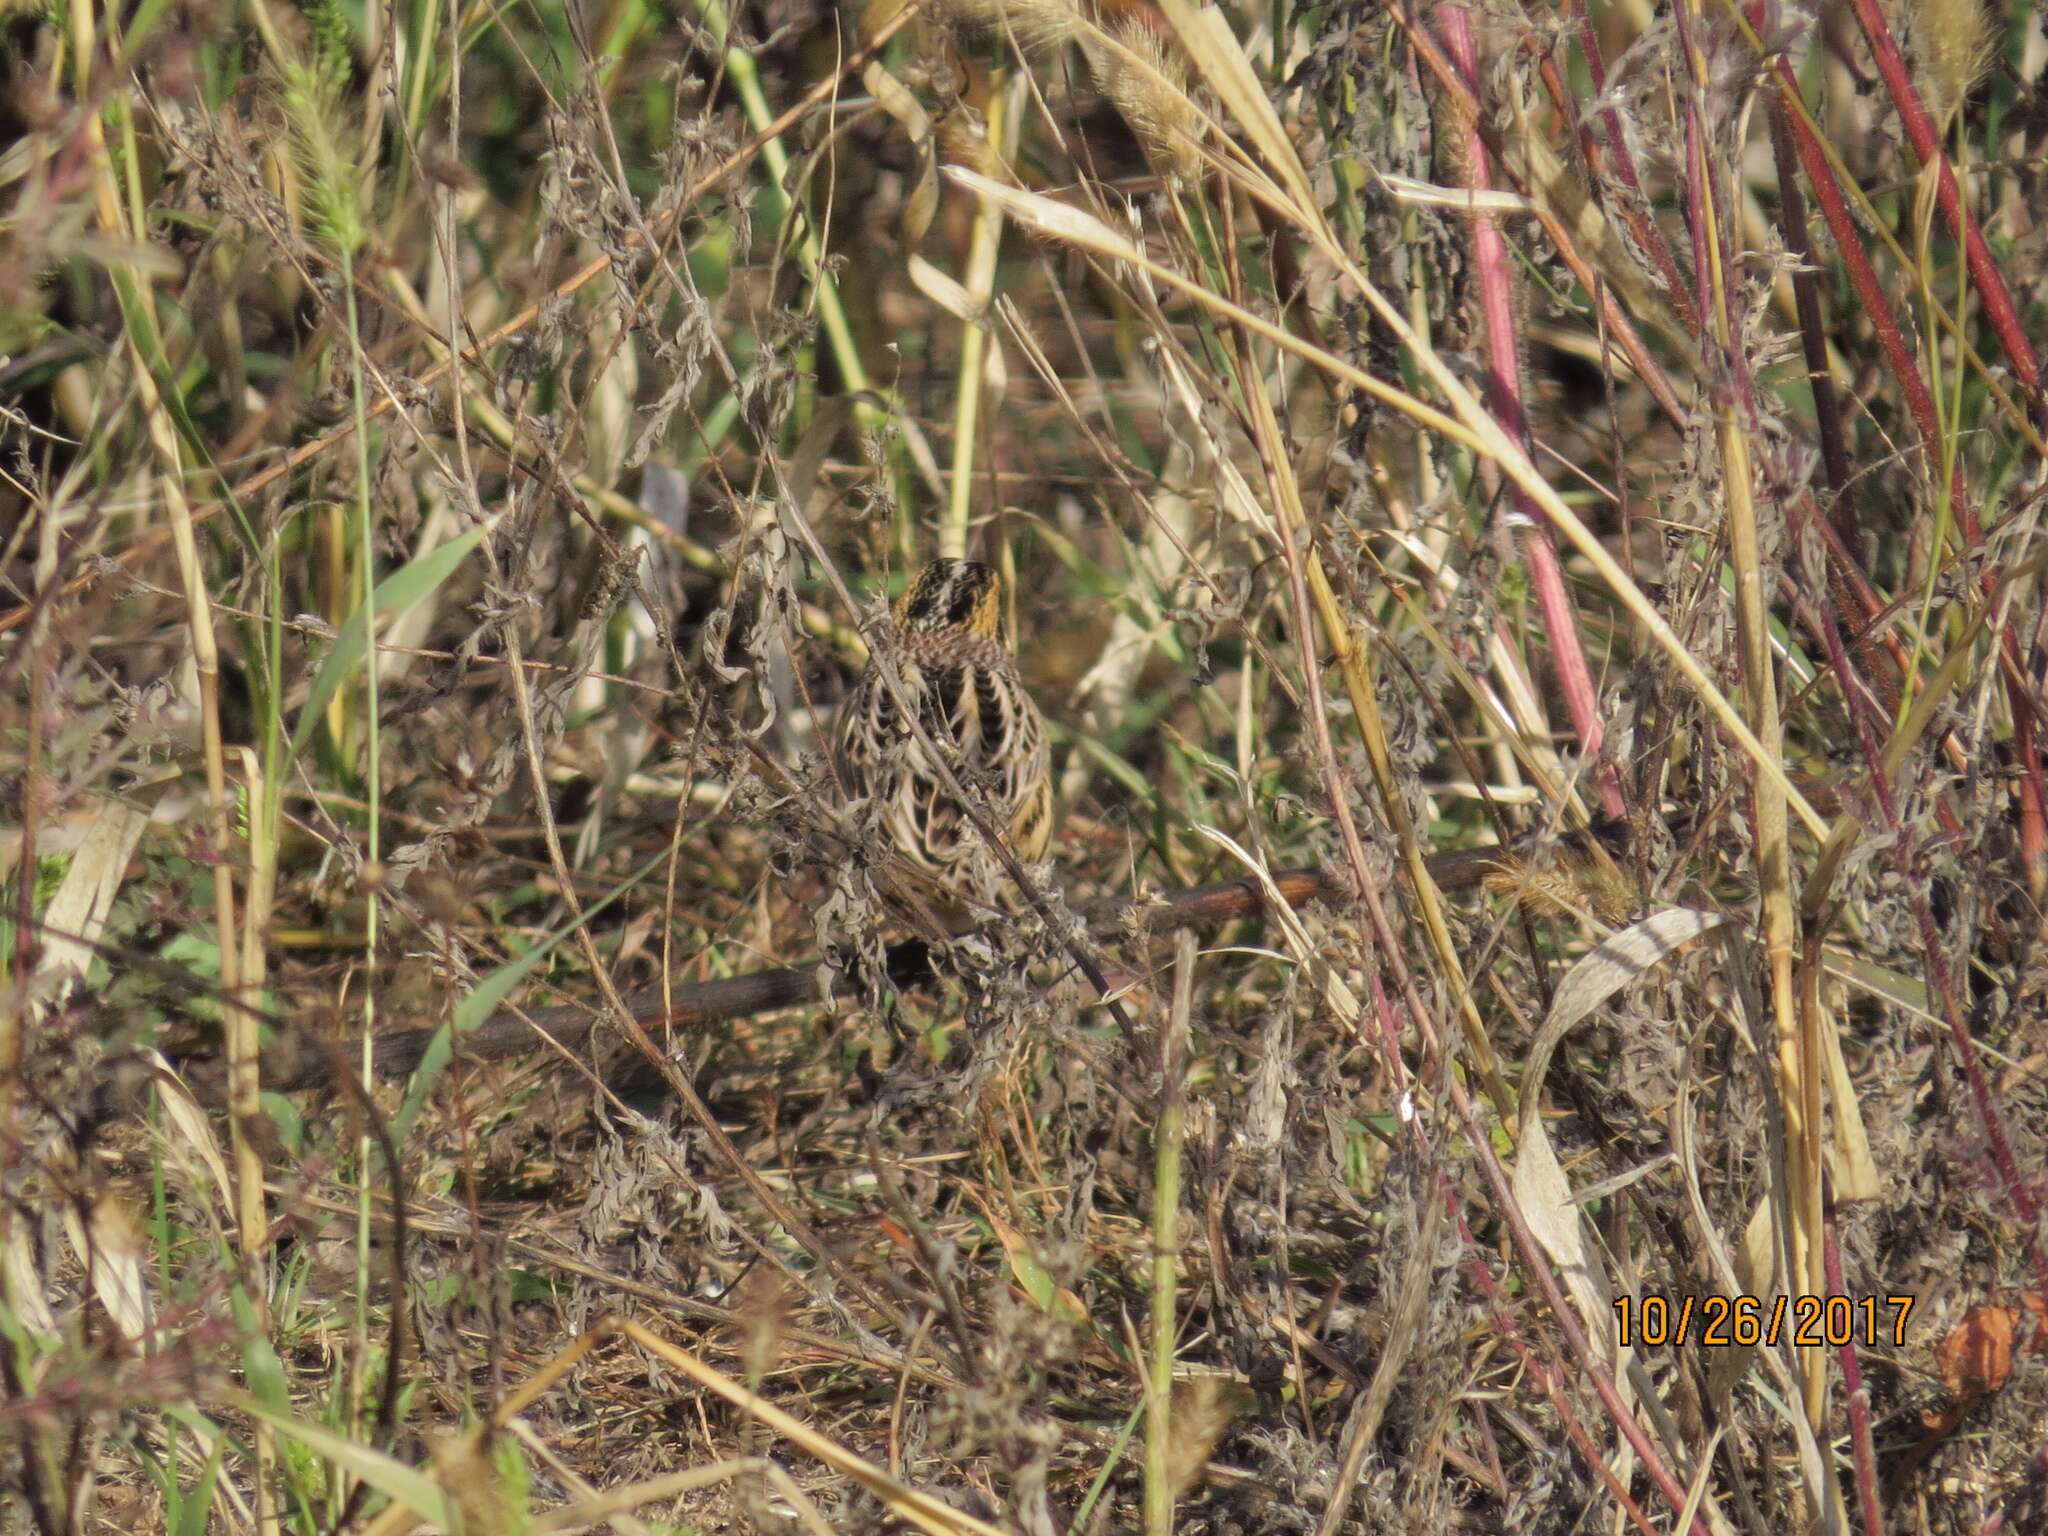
(1723, 1322)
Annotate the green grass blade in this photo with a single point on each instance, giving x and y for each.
(394, 595)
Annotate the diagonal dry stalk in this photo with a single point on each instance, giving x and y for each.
(920, 1509)
(1470, 427)
(1304, 570)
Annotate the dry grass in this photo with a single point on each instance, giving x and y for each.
(1572, 484)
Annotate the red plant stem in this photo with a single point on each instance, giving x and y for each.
(1991, 290)
(1906, 849)
(1845, 578)
(1869, 291)
(1647, 234)
(1484, 1425)
(1547, 1379)
(1863, 278)
(1696, 219)
(1532, 1258)
(1840, 532)
(1619, 324)
(1695, 180)
(1973, 1070)
(1505, 1206)
(1389, 1031)
(2036, 1477)
(1504, 399)
(1855, 1398)
(1827, 412)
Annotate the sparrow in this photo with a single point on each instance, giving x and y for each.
(960, 677)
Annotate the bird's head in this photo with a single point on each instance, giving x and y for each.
(954, 594)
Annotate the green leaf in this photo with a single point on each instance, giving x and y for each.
(484, 1001)
(195, 950)
(291, 1125)
(1032, 1276)
(188, 1511)
(389, 1476)
(525, 1285)
(260, 1365)
(395, 593)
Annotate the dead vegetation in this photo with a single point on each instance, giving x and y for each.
(1565, 484)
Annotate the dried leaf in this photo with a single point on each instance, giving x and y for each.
(943, 291)
(893, 97)
(1976, 1357)
(1621, 959)
(189, 1120)
(76, 914)
(1542, 1189)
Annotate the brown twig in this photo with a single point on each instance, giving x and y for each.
(514, 1033)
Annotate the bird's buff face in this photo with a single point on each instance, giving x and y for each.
(953, 595)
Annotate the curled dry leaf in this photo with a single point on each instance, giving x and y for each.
(78, 911)
(189, 1122)
(944, 291)
(114, 1253)
(895, 99)
(1542, 1189)
(1623, 958)
(1976, 1357)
